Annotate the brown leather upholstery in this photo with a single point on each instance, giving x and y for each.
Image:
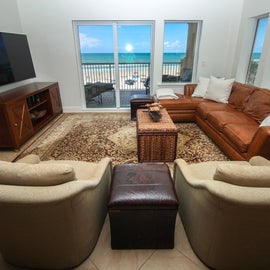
(142, 206)
(234, 126)
(138, 101)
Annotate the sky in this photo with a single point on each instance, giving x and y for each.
(137, 38)
(131, 38)
(261, 31)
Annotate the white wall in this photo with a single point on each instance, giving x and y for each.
(10, 22)
(9, 16)
(251, 10)
(48, 25)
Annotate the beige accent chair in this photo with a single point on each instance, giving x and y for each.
(51, 212)
(225, 210)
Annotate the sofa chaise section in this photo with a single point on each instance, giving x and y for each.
(234, 126)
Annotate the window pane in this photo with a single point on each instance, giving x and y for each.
(97, 63)
(179, 50)
(256, 50)
(115, 64)
(134, 54)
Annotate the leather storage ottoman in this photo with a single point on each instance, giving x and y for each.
(138, 101)
(142, 207)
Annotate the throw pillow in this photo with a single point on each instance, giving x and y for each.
(166, 93)
(219, 90)
(22, 174)
(201, 87)
(243, 175)
(266, 121)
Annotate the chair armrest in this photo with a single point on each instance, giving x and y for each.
(259, 161)
(260, 145)
(180, 165)
(103, 164)
(30, 159)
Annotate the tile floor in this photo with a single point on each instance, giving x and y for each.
(104, 258)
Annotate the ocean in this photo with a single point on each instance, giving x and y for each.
(137, 57)
(128, 57)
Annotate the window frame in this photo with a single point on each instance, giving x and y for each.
(196, 51)
(254, 36)
(114, 24)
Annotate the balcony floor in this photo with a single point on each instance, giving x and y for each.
(107, 99)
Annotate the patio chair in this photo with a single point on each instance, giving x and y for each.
(93, 90)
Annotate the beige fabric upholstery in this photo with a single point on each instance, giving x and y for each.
(259, 161)
(23, 174)
(227, 225)
(29, 159)
(243, 175)
(55, 227)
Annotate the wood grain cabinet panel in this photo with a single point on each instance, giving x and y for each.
(25, 110)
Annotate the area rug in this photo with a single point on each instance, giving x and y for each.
(93, 136)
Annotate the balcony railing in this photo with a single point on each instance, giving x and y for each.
(132, 75)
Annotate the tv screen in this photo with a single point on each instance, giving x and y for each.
(15, 58)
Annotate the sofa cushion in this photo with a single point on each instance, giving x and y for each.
(219, 90)
(258, 106)
(240, 95)
(218, 119)
(201, 87)
(22, 174)
(207, 106)
(240, 135)
(183, 102)
(243, 175)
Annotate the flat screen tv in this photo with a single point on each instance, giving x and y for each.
(15, 58)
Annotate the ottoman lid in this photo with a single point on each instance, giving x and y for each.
(142, 186)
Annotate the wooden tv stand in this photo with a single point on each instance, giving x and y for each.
(25, 110)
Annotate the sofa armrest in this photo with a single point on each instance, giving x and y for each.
(189, 89)
(260, 145)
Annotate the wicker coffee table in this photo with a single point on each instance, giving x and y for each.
(156, 141)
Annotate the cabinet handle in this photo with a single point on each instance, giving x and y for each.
(16, 124)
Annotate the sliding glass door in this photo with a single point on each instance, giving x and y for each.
(115, 61)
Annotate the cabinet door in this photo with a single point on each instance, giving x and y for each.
(55, 99)
(20, 122)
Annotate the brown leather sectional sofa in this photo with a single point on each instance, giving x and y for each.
(235, 126)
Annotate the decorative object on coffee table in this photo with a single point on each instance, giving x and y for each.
(142, 207)
(154, 111)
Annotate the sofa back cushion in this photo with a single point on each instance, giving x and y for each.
(243, 175)
(258, 105)
(22, 174)
(240, 95)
